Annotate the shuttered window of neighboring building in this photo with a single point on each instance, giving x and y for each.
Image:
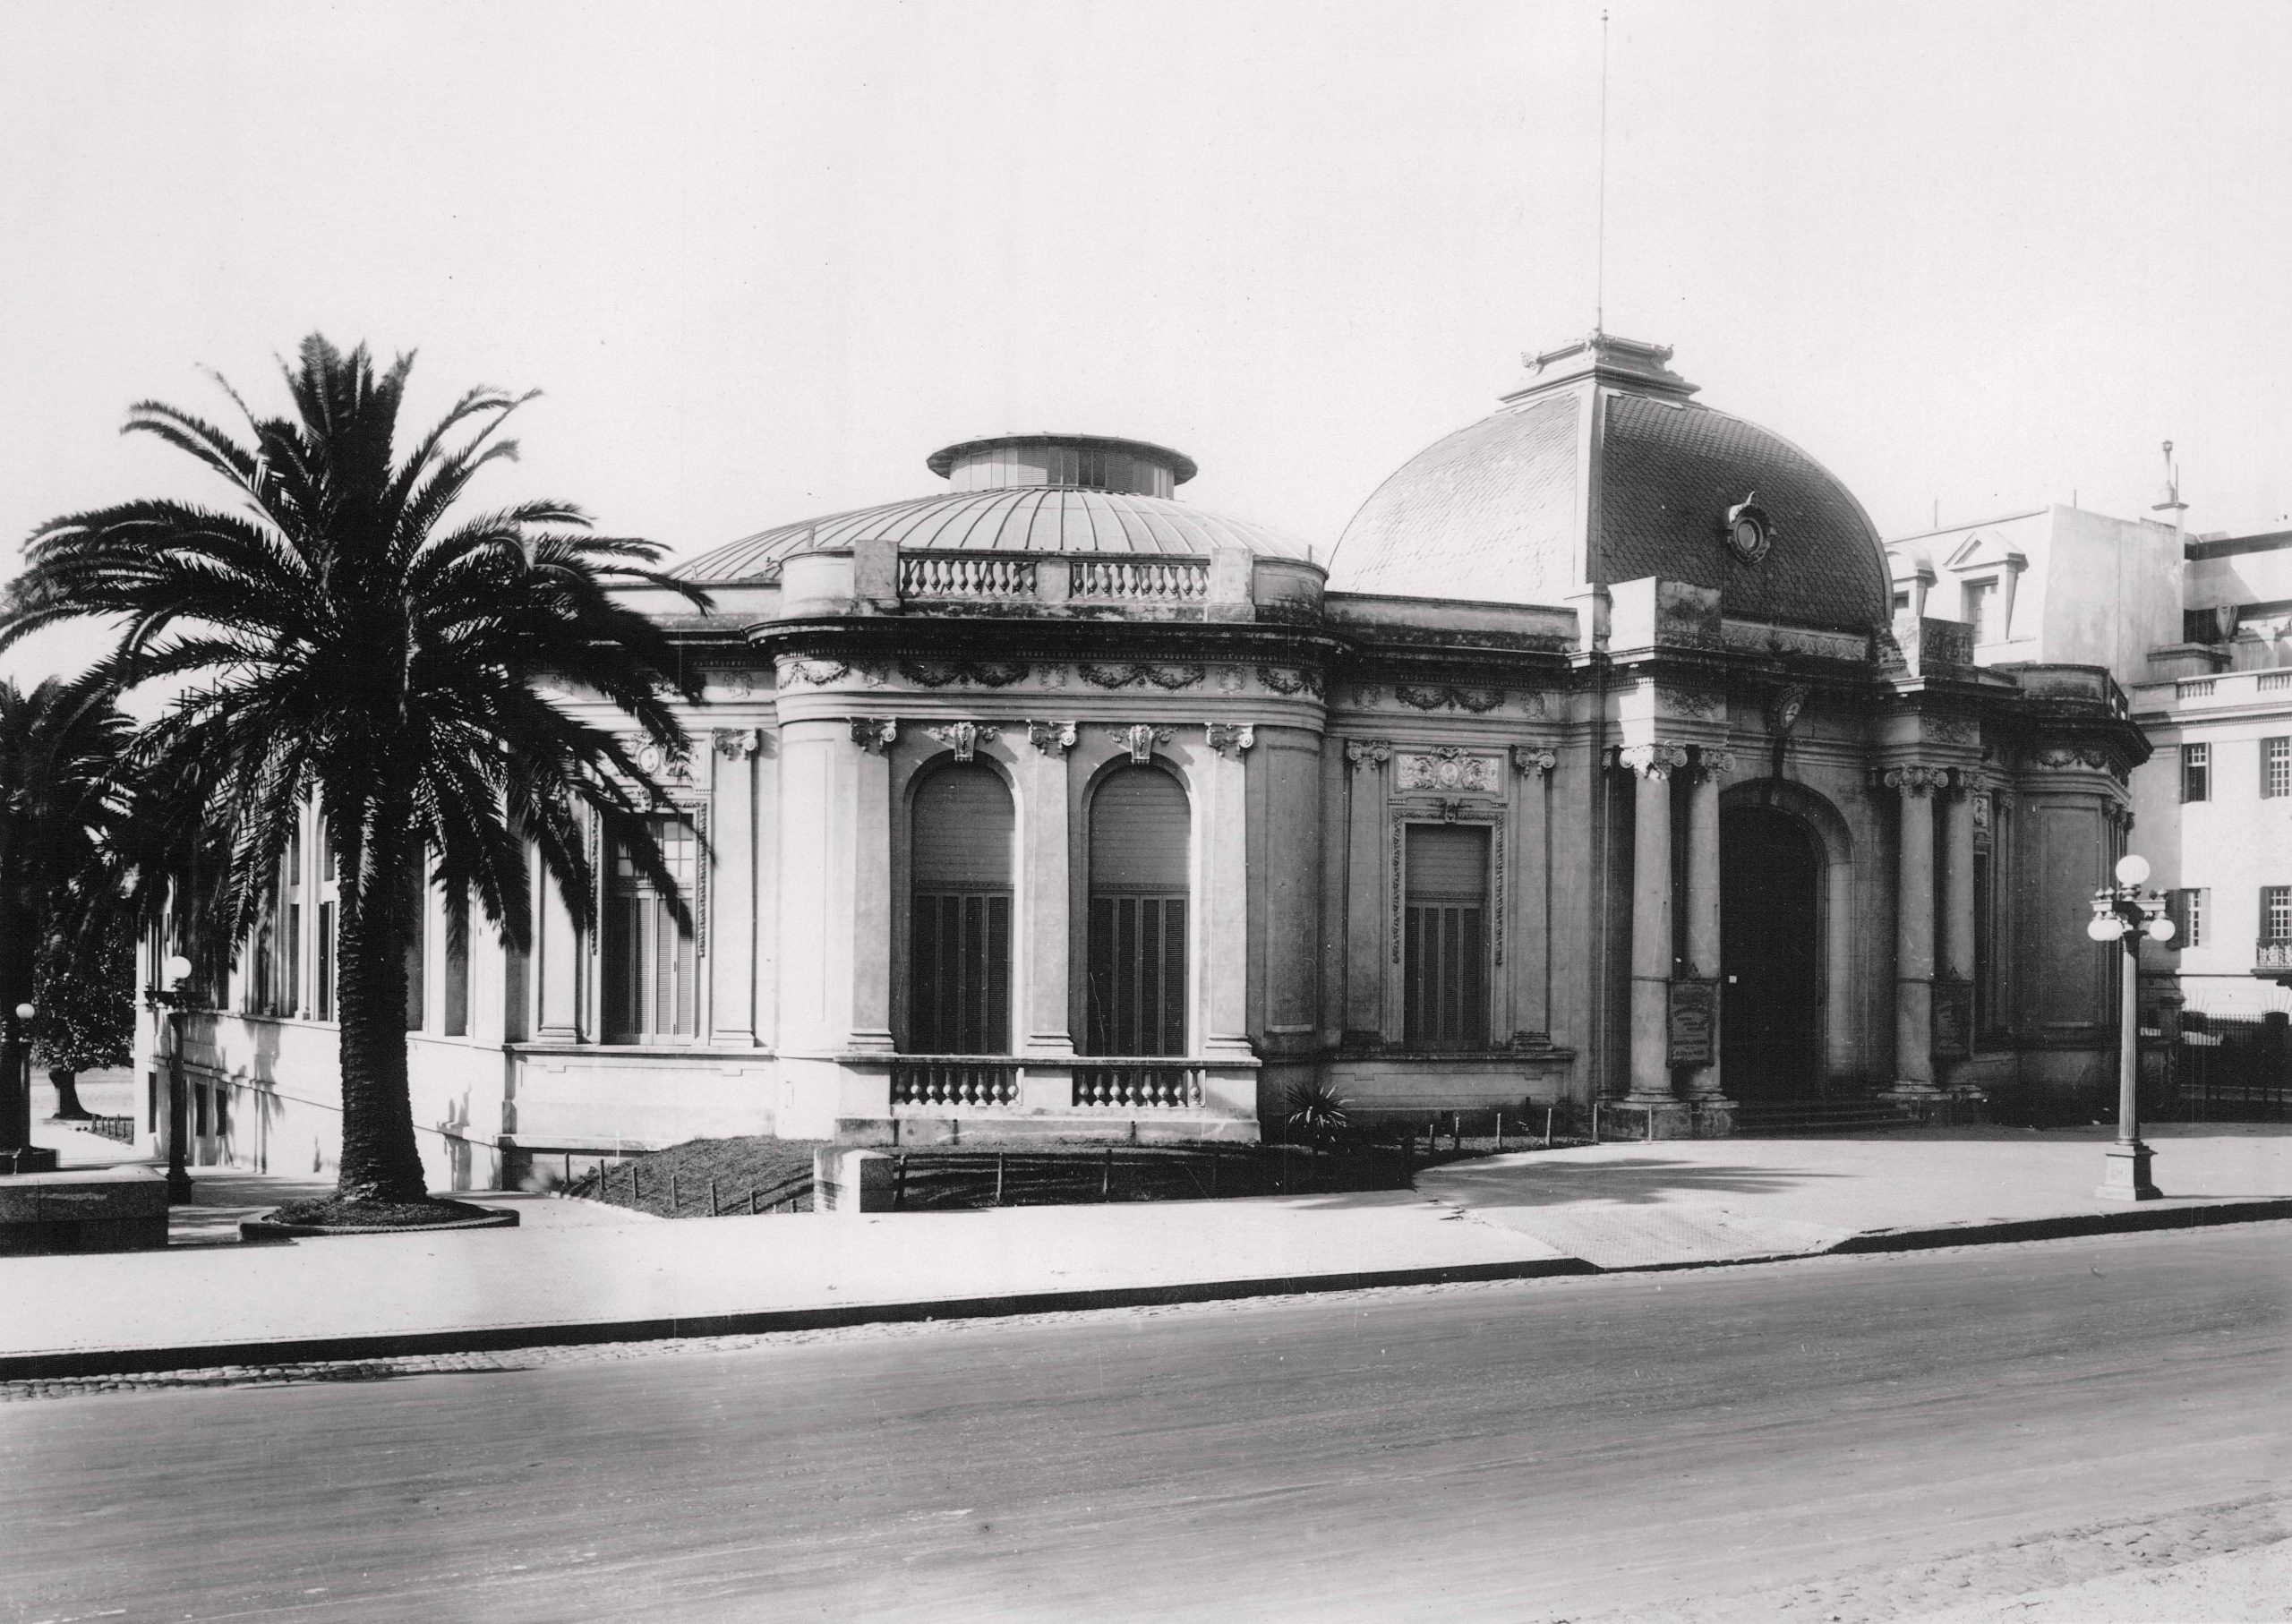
(651, 967)
(959, 918)
(1445, 937)
(1141, 834)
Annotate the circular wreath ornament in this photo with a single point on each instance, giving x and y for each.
(1749, 532)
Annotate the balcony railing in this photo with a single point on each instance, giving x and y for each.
(1100, 1083)
(966, 575)
(1138, 1085)
(1148, 580)
(954, 1082)
(2272, 954)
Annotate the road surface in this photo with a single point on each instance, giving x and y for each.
(1841, 1438)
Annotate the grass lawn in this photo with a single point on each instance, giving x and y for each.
(709, 1177)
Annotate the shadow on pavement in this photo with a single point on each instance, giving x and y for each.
(1539, 1182)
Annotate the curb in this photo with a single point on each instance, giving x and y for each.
(307, 1350)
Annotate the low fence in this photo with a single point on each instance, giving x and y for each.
(121, 1128)
(669, 1195)
(2226, 1069)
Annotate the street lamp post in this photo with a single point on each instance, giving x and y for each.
(169, 999)
(2123, 913)
(19, 1092)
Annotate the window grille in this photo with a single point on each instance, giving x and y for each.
(959, 919)
(1445, 937)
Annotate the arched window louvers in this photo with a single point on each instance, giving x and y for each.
(1140, 831)
(959, 921)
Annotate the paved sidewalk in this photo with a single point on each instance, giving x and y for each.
(573, 1271)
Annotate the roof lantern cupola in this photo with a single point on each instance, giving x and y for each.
(1624, 363)
(1086, 462)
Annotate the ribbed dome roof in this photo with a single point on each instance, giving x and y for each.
(1026, 494)
(1495, 511)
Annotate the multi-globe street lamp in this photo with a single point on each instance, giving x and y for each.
(170, 998)
(2125, 912)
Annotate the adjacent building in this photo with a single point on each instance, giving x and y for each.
(1607, 759)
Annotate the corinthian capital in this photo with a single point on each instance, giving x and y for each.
(1652, 760)
(1911, 778)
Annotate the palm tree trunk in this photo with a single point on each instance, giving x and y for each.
(380, 1159)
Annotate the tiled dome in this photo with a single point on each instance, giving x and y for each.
(1020, 493)
(1497, 511)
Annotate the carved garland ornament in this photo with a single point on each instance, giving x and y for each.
(986, 674)
(1477, 700)
(1137, 675)
(1282, 679)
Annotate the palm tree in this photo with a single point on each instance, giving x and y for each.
(60, 748)
(343, 631)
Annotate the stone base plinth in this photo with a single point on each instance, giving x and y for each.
(28, 1158)
(2126, 1176)
(1648, 1119)
(97, 1210)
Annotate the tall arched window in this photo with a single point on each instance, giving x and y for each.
(651, 974)
(959, 921)
(1141, 830)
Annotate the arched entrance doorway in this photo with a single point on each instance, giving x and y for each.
(1771, 955)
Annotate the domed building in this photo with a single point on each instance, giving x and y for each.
(1597, 766)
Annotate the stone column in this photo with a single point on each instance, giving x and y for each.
(835, 838)
(1045, 842)
(1957, 879)
(1651, 767)
(1914, 928)
(732, 885)
(1704, 1084)
(1530, 946)
(1224, 893)
(1366, 926)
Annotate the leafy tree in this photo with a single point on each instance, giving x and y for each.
(60, 808)
(347, 631)
(85, 993)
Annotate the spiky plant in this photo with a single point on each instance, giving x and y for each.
(342, 630)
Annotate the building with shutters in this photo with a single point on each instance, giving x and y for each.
(1594, 763)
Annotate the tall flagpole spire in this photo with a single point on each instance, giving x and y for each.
(1600, 254)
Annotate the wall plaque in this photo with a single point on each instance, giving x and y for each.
(1952, 1019)
(1695, 1019)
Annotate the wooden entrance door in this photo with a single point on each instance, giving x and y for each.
(1771, 960)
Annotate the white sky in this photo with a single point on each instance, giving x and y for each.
(764, 259)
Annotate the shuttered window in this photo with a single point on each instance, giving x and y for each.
(651, 969)
(2275, 768)
(1141, 834)
(959, 919)
(2276, 913)
(1445, 937)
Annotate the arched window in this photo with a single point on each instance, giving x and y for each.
(651, 974)
(1141, 830)
(959, 921)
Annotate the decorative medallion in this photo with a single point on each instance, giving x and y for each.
(1782, 715)
(1749, 532)
(817, 673)
(1231, 679)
